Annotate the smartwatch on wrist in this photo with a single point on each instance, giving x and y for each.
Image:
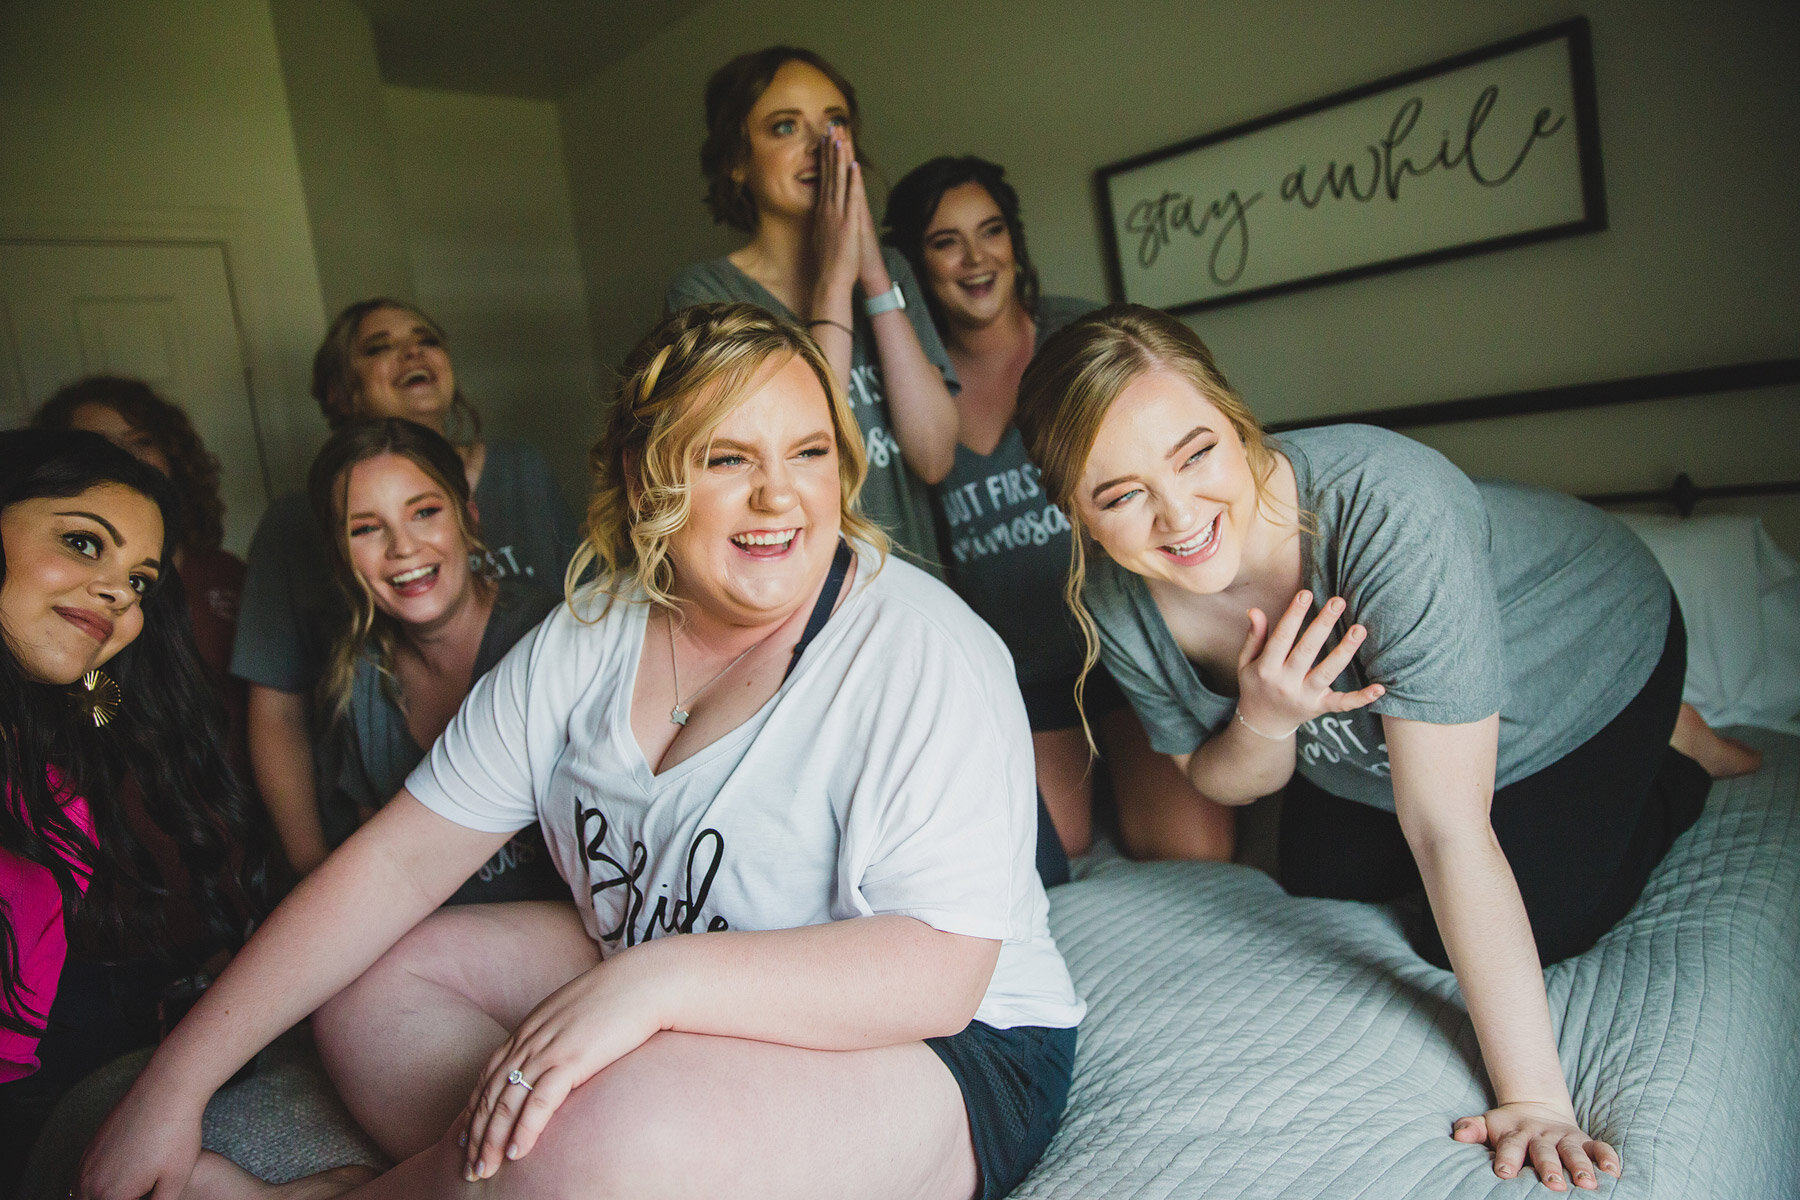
(888, 301)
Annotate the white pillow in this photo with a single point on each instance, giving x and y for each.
(1740, 597)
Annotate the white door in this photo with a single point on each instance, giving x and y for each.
(161, 312)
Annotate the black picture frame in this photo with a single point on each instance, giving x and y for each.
(1591, 183)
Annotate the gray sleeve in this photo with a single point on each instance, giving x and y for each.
(919, 313)
(352, 776)
(273, 646)
(1130, 654)
(1410, 558)
(697, 284)
(522, 507)
(1172, 729)
(542, 495)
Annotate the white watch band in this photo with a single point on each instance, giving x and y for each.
(888, 301)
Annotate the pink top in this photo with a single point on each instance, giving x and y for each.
(34, 909)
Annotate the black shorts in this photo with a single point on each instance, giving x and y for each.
(1015, 1083)
(1050, 706)
(1581, 835)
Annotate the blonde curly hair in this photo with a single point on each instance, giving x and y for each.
(675, 389)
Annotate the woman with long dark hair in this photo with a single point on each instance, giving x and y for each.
(380, 358)
(423, 625)
(958, 223)
(99, 679)
(130, 414)
(782, 164)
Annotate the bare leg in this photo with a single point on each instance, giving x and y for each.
(1160, 813)
(218, 1178)
(1065, 775)
(695, 1116)
(1723, 757)
(406, 1042)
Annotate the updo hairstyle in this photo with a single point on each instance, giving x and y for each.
(731, 93)
(675, 389)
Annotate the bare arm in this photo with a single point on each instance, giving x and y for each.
(1235, 767)
(1443, 779)
(1161, 813)
(926, 419)
(390, 874)
(924, 415)
(281, 758)
(844, 985)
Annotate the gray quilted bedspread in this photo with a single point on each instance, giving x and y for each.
(1244, 1043)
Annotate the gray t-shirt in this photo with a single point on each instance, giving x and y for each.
(291, 609)
(374, 752)
(893, 497)
(1009, 546)
(1478, 597)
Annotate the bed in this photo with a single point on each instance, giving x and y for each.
(1245, 1043)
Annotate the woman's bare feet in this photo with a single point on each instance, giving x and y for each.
(1723, 757)
(218, 1178)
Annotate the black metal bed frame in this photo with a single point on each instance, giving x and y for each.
(1683, 494)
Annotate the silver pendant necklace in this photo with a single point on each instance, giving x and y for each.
(679, 714)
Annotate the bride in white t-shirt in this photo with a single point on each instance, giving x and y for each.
(752, 729)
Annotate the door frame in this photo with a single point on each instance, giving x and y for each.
(267, 377)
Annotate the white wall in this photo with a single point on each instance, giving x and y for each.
(267, 118)
(116, 115)
(490, 238)
(346, 158)
(1701, 265)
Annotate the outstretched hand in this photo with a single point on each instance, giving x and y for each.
(1557, 1147)
(1282, 681)
(575, 1033)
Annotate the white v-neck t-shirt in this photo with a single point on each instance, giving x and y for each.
(891, 773)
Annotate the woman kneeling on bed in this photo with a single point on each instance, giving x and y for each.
(1511, 661)
(752, 730)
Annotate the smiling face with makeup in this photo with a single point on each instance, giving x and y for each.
(968, 258)
(405, 542)
(764, 502)
(77, 568)
(401, 369)
(780, 166)
(1168, 490)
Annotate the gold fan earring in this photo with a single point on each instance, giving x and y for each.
(96, 697)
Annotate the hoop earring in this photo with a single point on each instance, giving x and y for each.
(96, 697)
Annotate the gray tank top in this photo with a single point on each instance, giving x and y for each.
(1009, 545)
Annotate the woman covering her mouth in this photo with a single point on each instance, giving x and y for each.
(381, 358)
(957, 222)
(783, 164)
(788, 781)
(1511, 663)
(100, 682)
(424, 623)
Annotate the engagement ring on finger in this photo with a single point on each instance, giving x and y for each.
(518, 1078)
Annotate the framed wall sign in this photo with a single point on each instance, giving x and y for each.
(1493, 148)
